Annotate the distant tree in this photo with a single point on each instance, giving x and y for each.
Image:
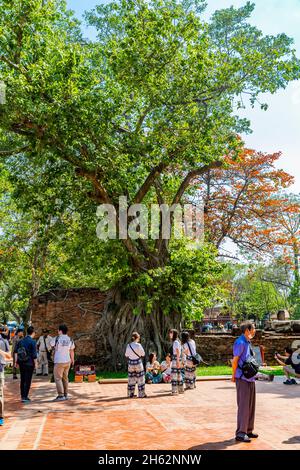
(249, 294)
(288, 225)
(243, 201)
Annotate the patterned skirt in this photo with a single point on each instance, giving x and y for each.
(154, 379)
(176, 377)
(190, 373)
(136, 376)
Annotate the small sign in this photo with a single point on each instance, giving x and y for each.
(85, 370)
(258, 355)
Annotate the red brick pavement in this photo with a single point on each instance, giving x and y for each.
(101, 417)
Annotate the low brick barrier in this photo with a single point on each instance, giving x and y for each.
(217, 349)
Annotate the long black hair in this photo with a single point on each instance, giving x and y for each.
(174, 334)
(151, 357)
(185, 336)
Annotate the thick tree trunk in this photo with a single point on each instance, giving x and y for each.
(117, 323)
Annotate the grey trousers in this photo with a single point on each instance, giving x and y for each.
(2, 394)
(246, 397)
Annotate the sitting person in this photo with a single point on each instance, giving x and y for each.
(289, 368)
(263, 375)
(165, 368)
(153, 372)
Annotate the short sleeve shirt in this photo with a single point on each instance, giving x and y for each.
(134, 348)
(241, 348)
(63, 345)
(189, 348)
(296, 367)
(176, 345)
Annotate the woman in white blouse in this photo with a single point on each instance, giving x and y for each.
(189, 350)
(136, 374)
(176, 376)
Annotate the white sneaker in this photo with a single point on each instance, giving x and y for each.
(59, 398)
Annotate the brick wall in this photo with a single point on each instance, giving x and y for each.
(79, 309)
(217, 349)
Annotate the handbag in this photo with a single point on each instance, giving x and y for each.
(250, 367)
(196, 358)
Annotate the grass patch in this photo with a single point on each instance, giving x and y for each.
(102, 375)
(201, 372)
(213, 370)
(226, 370)
(112, 375)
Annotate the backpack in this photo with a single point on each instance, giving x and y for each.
(22, 353)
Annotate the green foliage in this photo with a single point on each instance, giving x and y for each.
(294, 299)
(48, 241)
(86, 122)
(251, 293)
(187, 284)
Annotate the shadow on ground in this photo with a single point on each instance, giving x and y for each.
(218, 445)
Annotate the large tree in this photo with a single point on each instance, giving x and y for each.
(141, 111)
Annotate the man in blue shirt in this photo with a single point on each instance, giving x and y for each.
(4, 356)
(26, 358)
(245, 388)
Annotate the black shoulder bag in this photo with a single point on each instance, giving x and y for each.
(250, 367)
(196, 359)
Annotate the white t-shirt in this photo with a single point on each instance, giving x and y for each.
(63, 345)
(138, 348)
(187, 350)
(176, 345)
(41, 343)
(168, 368)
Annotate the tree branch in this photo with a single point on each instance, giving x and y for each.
(8, 153)
(148, 182)
(17, 67)
(192, 175)
(141, 119)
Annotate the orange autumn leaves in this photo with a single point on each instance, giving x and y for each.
(245, 202)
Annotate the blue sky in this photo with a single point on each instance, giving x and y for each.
(279, 127)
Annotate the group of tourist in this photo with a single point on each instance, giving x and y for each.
(178, 367)
(28, 355)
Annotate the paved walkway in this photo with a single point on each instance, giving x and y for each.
(101, 417)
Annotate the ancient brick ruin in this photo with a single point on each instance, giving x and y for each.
(81, 309)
